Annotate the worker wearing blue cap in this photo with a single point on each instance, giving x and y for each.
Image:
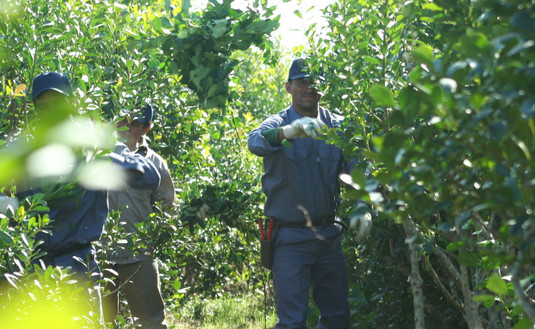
(78, 217)
(302, 196)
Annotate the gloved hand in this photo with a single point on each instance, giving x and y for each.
(203, 211)
(8, 204)
(303, 128)
(362, 218)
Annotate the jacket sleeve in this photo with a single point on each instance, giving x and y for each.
(142, 173)
(257, 142)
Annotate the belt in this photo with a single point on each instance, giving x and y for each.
(51, 254)
(322, 221)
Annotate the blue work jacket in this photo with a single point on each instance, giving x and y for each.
(305, 174)
(80, 215)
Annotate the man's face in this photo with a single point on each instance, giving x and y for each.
(134, 132)
(305, 98)
(50, 100)
(53, 107)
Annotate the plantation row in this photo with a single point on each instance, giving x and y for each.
(440, 116)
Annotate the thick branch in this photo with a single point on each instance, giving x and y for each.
(415, 278)
(452, 270)
(471, 308)
(452, 300)
(522, 297)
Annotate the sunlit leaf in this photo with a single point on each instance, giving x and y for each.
(382, 96)
(53, 160)
(496, 284)
(102, 175)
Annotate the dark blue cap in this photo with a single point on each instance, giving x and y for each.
(51, 81)
(298, 70)
(144, 115)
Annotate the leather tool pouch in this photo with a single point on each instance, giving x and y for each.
(267, 248)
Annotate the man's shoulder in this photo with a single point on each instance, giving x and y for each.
(156, 158)
(277, 118)
(153, 154)
(120, 148)
(279, 115)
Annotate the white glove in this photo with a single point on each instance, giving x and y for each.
(303, 128)
(203, 211)
(8, 203)
(362, 219)
(364, 223)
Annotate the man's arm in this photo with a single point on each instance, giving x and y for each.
(264, 139)
(142, 174)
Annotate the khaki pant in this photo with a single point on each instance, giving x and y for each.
(142, 292)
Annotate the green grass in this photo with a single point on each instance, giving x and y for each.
(245, 312)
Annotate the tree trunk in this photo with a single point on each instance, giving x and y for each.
(522, 297)
(415, 278)
(472, 315)
(471, 312)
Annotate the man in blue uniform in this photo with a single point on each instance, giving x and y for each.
(79, 215)
(301, 184)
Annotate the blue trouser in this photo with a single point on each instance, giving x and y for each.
(81, 261)
(301, 260)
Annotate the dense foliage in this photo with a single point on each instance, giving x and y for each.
(440, 115)
(117, 55)
(443, 117)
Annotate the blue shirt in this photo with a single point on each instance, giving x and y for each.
(305, 174)
(79, 216)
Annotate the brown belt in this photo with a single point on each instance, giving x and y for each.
(323, 221)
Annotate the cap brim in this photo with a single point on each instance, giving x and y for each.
(300, 76)
(141, 120)
(63, 92)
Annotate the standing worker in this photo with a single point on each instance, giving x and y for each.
(79, 215)
(138, 271)
(301, 184)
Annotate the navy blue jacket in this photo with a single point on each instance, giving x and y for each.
(79, 216)
(305, 174)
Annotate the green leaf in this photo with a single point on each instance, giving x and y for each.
(473, 44)
(496, 284)
(382, 96)
(468, 258)
(432, 6)
(423, 53)
(523, 324)
(5, 239)
(477, 100)
(456, 245)
(41, 209)
(484, 298)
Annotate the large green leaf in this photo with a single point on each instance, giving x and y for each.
(382, 96)
(496, 284)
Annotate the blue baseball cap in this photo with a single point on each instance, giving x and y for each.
(51, 81)
(300, 70)
(144, 115)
